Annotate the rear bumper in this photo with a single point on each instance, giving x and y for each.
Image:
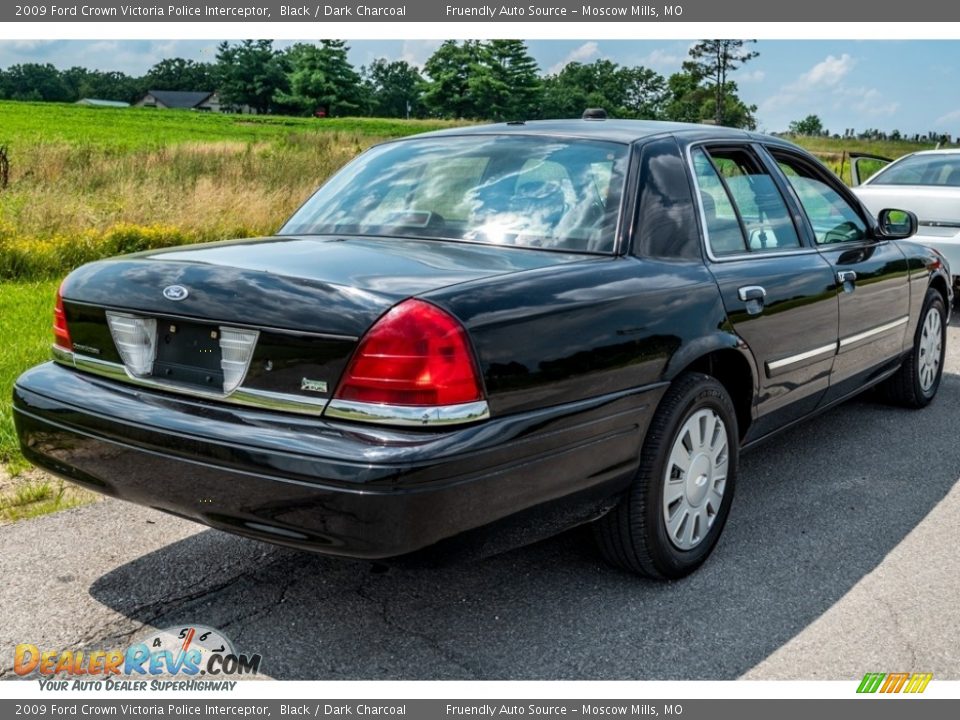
(334, 487)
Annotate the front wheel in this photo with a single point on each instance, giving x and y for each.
(672, 516)
(916, 383)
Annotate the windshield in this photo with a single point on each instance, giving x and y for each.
(943, 170)
(514, 190)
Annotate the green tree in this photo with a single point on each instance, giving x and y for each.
(716, 60)
(504, 82)
(691, 99)
(644, 93)
(322, 79)
(35, 81)
(624, 92)
(686, 95)
(393, 88)
(251, 73)
(446, 91)
(810, 125)
(181, 74)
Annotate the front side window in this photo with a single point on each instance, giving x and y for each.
(743, 209)
(530, 191)
(833, 219)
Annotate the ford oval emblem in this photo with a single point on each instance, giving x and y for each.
(175, 292)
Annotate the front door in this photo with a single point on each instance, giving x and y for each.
(870, 276)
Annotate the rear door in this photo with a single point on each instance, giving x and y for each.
(864, 166)
(777, 289)
(870, 275)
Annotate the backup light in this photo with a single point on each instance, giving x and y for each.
(136, 340)
(236, 349)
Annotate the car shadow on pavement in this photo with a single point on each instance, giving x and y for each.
(816, 509)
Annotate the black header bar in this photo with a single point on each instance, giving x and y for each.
(392, 11)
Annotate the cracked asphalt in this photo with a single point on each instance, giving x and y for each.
(840, 557)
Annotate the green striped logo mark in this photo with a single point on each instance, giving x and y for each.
(871, 682)
(912, 683)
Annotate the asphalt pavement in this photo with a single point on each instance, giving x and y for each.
(840, 557)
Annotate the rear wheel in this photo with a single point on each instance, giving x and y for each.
(916, 382)
(672, 516)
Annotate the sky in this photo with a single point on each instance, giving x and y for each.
(907, 85)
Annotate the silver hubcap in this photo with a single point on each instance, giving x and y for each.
(695, 479)
(931, 348)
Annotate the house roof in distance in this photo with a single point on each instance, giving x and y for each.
(180, 98)
(96, 102)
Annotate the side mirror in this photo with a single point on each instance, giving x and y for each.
(896, 224)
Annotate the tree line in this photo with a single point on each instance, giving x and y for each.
(475, 80)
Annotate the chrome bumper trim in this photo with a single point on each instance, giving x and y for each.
(250, 397)
(407, 414)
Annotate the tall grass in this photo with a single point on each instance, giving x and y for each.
(87, 183)
(68, 205)
(25, 326)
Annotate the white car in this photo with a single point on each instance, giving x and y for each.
(928, 184)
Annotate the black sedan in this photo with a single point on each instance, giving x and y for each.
(479, 337)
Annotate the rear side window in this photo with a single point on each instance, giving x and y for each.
(666, 221)
(742, 207)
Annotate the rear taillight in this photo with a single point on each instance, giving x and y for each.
(415, 355)
(61, 333)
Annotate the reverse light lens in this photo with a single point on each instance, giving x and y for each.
(61, 333)
(136, 341)
(416, 354)
(236, 347)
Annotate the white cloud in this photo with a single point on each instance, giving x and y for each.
(661, 60)
(754, 76)
(27, 45)
(810, 87)
(417, 52)
(869, 102)
(578, 54)
(950, 117)
(827, 72)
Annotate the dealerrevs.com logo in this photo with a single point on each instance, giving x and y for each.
(193, 657)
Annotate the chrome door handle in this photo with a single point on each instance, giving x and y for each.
(847, 279)
(754, 296)
(751, 292)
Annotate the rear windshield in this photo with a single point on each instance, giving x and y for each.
(943, 170)
(513, 190)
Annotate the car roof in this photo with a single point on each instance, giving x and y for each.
(944, 151)
(624, 131)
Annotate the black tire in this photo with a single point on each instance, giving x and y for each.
(634, 534)
(905, 387)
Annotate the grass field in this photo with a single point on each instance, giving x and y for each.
(135, 129)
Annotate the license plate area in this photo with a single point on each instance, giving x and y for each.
(189, 354)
